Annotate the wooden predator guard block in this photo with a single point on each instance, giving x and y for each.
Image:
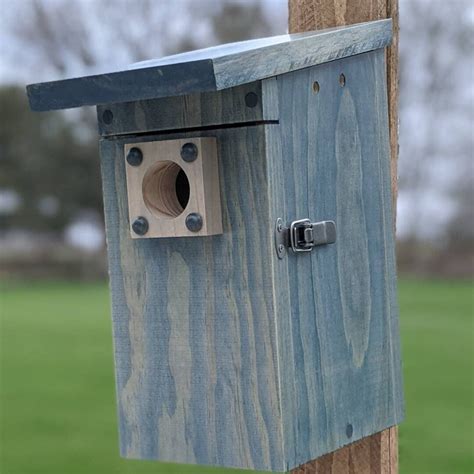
(225, 353)
(151, 188)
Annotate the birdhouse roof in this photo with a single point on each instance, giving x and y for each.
(212, 69)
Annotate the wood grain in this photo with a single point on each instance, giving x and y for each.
(306, 15)
(194, 320)
(301, 52)
(309, 15)
(152, 196)
(212, 69)
(227, 107)
(226, 355)
(374, 454)
(339, 349)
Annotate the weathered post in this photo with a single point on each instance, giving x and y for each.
(377, 453)
(251, 254)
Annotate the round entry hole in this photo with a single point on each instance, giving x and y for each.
(166, 189)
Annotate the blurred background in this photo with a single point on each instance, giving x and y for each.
(57, 402)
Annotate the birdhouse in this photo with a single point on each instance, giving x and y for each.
(250, 246)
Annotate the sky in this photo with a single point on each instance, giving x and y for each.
(436, 90)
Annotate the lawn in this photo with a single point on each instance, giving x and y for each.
(57, 388)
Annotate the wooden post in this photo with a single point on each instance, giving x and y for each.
(376, 454)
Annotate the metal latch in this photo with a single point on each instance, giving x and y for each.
(302, 235)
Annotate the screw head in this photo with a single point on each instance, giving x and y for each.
(189, 152)
(135, 157)
(107, 116)
(140, 226)
(194, 222)
(251, 99)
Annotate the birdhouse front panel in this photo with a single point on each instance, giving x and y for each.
(195, 318)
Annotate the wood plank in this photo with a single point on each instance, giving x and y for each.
(307, 15)
(339, 361)
(212, 69)
(237, 105)
(194, 321)
(122, 86)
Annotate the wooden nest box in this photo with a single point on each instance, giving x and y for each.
(250, 243)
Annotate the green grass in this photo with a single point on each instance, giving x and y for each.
(437, 350)
(57, 395)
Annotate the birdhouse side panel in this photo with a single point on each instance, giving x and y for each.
(337, 305)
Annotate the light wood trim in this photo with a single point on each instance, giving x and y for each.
(203, 177)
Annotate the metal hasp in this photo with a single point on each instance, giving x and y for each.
(302, 235)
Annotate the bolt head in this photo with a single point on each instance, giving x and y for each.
(135, 157)
(194, 222)
(189, 152)
(107, 116)
(140, 226)
(251, 99)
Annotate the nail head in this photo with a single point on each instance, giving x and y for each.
(107, 116)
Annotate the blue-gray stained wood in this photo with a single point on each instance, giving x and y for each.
(212, 69)
(226, 355)
(244, 104)
(194, 320)
(337, 316)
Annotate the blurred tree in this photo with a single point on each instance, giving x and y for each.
(460, 233)
(437, 116)
(49, 161)
(49, 171)
(436, 211)
(236, 22)
(59, 38)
